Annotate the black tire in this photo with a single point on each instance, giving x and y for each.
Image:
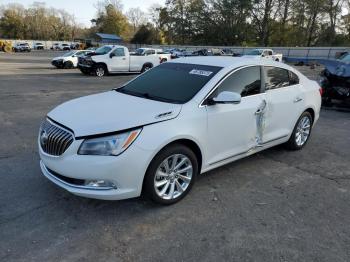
(100, 70)
(277, 60)
(163, 60)
(292, 144)
(146, 67)
(148, 185)
(68, 65)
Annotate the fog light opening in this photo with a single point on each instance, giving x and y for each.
(100, 184)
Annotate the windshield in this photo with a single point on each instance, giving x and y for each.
(69, 54)
(254, 52)
(103, 50)
(345, 58)
(171, 82)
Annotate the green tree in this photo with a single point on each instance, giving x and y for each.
(147, 34)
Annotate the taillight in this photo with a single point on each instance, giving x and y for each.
(321, 91)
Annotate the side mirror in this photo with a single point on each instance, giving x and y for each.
(226, 97)
(111, 55)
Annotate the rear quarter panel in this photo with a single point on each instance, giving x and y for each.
(312, 97)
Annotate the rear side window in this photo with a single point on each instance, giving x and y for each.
(245, 82)
(293, 78)
(276, 77)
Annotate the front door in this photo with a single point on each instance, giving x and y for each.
(233, 129)
(119, 61)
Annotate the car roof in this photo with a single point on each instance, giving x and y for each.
(226, 61)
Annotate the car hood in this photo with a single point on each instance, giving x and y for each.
(338, 68)
(251, 56)
(58, 58)
(111, 112)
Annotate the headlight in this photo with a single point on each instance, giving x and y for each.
(109, 145)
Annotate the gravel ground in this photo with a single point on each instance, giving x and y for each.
(274, 206)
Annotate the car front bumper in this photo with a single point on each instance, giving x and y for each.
(57, 63)
(125, 172)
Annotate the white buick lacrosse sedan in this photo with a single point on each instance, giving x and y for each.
(156, 133)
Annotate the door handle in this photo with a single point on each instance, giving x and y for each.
(124, 58)
(297, 99)
(261, 108)
(258, 112)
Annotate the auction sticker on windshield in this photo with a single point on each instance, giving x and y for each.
(200, 72)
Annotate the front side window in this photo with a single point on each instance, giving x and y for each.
(150, 52)
(246, 82)
(139, 51)
(119, 52)
(171, 82)
(276, 77)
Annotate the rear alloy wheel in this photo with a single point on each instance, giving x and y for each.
(171, 174)
(301, 132)
(100, 70)
(146, 68)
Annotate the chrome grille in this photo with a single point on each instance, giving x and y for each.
(54, 140)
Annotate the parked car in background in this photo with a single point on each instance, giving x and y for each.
(208, 52)
(175, 52)
(21, 47)
(230, 52)
(55, 46)
(75, 45)
(115, 59)
(162, 55)
(64, 47)
(38, 46)
(156, 133)
(265, 53)
(70, 59)
(335, 79)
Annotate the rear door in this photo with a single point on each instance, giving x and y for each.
(284, 103)
(119, 61)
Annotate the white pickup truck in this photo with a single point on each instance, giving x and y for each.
(264, 53)
(115, 59)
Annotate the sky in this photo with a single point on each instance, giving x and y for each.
(84, 10)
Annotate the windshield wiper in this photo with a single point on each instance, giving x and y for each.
(146, 95)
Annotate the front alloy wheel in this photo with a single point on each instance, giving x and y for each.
(171, 174)
(100, 71)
